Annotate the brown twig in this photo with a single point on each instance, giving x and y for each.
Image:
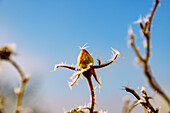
(146, 28)
(92, 94)
(152, 13)
(144, 100)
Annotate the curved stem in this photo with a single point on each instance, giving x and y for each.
(20, 92)
(106, 64)
(21, 73)
(92, 94)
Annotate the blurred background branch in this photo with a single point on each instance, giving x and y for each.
(5, 54)
(146, 28)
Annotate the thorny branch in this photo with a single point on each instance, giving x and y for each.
(108, 63)
(143, 100)
(146, 28)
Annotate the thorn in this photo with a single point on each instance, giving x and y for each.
(99, 62)
(69, 84)
(117, 52)
(139, 20)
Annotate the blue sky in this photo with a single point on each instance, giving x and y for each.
(49, 32)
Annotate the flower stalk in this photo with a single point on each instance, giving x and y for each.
(5, 54)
